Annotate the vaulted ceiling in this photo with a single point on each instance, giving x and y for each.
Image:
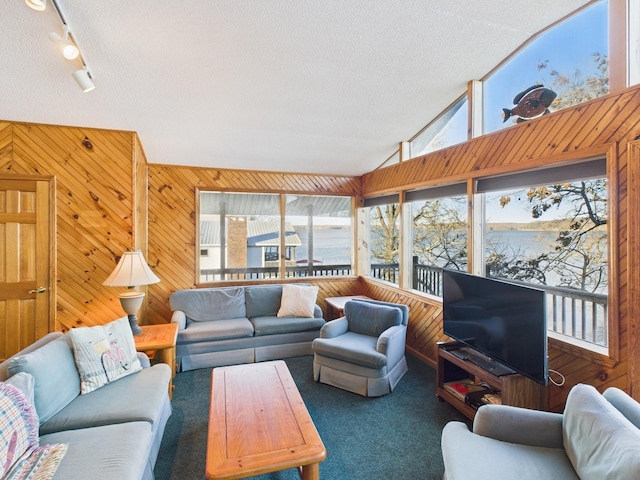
(327, 86)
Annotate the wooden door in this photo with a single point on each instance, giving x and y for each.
(25, 273)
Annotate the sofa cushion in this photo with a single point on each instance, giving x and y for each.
(137, 397)
(104, 353)
(371, 319)
(218, 330)
(49, 337)
(207, 304)
(298, 301)
(53, 368)
(592, 430)
(263, 300)
(110, 452)
(271, 325)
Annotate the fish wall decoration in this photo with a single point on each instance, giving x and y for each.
(530, 103)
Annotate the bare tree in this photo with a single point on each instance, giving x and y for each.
(440, 233)
(573, 87)
(579, 253)
(386, 243)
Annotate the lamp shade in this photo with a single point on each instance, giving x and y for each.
(132, 270)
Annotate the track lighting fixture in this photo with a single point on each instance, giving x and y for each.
(38, 5)
(83, 78)
(67, 44)
(69, 50)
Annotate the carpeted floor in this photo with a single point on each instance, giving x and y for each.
(396, 436)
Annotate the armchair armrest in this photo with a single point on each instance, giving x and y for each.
(519, 425)
(334, 328)
(179, 317)
(391, 343)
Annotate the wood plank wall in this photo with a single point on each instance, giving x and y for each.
(172, 221)
(93, 174)
(602, 127)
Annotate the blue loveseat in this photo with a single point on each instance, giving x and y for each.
(233, 325)
(113, 432)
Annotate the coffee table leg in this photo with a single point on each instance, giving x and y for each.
(310, 472)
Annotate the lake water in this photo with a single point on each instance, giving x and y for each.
(333, 246)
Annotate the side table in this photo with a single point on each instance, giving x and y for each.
(161, 339)
(335, 305)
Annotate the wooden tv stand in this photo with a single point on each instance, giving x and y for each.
(513, 389)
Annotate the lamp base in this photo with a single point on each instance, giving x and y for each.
(133, 323)
(131, 301)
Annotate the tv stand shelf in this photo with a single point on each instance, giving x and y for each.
(513, 389)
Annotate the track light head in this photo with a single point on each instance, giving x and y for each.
(83, 78)
(69, 50)
(38, 5)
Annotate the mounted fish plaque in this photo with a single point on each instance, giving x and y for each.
(531, 103)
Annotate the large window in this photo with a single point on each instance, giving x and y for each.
(323, 226)
(450, 128)
(439, 234)
(384, 238)
(240, 236)
(549, 228)
(570, 60)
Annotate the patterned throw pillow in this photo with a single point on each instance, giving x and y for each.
(104, 353)
(20, 454)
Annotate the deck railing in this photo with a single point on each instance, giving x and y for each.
(574, 313)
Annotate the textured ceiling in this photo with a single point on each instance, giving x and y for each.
(326, 86)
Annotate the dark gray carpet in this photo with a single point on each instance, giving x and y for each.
(396, 436)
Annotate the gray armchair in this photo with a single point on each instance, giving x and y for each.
(363, 352)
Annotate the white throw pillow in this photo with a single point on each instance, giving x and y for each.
(600, 442)
(298, 301)
(104, 353)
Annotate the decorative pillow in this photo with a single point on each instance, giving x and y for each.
(298, 301)
(20, 454)
(104, 353)
(600, 442)
(371, 319)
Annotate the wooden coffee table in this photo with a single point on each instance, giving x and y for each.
(258, 423)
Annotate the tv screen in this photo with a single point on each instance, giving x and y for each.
(502, 320)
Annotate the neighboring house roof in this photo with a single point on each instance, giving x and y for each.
(259, 233)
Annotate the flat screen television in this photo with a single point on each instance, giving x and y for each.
(503, 321)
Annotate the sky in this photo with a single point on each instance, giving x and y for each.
(568, 46)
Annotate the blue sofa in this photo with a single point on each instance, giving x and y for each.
(113, 432)
(234, 325)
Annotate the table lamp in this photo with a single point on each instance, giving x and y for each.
(132, 271)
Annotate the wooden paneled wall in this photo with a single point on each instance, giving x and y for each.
(93, 171)
(602, 127)
(172, 220)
